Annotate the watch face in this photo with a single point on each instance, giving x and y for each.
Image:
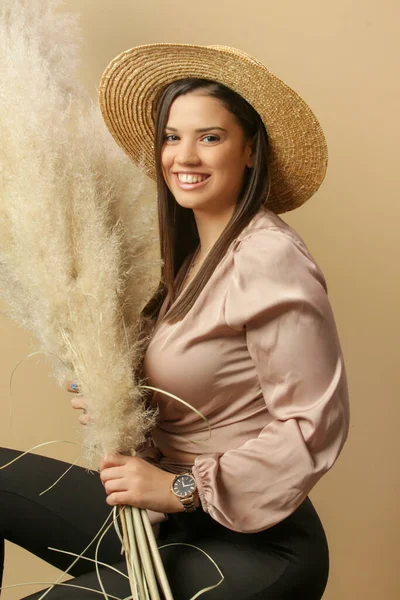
(184, 485)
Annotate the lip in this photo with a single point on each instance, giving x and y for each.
(190, 186)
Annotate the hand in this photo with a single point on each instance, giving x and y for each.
(133, 481)
(78, 402)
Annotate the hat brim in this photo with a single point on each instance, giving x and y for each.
(133, 82)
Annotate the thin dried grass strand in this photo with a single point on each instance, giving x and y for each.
(212, 587)
(61, 476)
(96, 560)
(139, 572)
(36, 447)
(128, 555)
(132, 542)
(159, 566)
(128, 346)
(145, 553)
(146, 588)
(78, 558)
(187, 404)
(123, 536)
(92, 560)
(79, 587)
(76, 353)
(116, 526)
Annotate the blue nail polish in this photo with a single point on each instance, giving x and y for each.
(74, 387)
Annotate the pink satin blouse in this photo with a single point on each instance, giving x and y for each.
(258, 354)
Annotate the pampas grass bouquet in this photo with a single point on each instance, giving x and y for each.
(74, 244)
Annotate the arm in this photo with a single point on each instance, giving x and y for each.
(278, 298)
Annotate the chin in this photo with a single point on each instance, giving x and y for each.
(190, 200)
(193, 205)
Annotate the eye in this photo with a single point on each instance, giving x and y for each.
(170, 137)
(210, 138)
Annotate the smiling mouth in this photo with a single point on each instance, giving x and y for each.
(191, 177)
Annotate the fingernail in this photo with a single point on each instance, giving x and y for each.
(74, 387)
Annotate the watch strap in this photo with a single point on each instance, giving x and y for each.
(188, 503)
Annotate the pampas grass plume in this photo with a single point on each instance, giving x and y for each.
(74, 223)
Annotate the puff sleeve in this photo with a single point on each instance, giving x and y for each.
(278, 297)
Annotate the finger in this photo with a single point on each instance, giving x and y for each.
(77, 402)
(73, 387)
(111, 473)
(120, 498)
(84, 419)
(113, 460)
(115, 485)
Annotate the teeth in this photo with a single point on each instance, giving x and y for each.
(185, 178)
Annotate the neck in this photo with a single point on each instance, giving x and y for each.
(210, 227)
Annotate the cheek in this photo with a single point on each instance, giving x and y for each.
(220, 165)
(230, 167)
(166, 159)
(231, 160)
(165, 166)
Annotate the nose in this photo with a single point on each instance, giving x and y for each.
(187, 154)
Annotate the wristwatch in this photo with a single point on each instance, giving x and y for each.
(184, 487)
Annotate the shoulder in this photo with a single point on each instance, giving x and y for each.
(270, 246)
(272, 272)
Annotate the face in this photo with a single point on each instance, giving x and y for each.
(204, 155)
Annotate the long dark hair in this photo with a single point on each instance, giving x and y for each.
(178, 232)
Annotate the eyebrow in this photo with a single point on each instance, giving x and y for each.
(201, 130)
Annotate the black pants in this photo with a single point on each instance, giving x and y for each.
(286, 562)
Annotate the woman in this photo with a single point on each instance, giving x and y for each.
(240, 327)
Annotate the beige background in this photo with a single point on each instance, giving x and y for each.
(342, 57)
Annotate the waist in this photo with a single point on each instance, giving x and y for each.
(181, 443)
(171, 455)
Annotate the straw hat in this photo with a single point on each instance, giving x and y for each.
(133, 82)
